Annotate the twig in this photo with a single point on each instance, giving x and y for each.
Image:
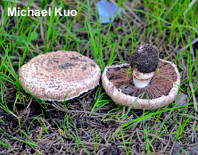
(138, 136)
(2, 15)
(83, 105)
(151, 146)
(190, 5)
(100, 151)
(191, 85)
(42, 32)
(97, 144)
(167, 145)
(124, 120)
(194, 61)
(79, 111)
(194, 99)
(25, 3)
(174, 51)
(171, 150)
(193, 133)
(132, 12)
(193, 42)
(152, 135)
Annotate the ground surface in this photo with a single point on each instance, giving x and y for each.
(92, 123)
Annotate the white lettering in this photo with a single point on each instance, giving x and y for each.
(13, 12)
(74, 12)
(37, 13)
(58, 11)
(66, 13)
(44, 12)
(49, 11)
(18, 12)
(22, 13)
(30, 12)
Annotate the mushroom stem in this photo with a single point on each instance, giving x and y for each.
(144, 62)
(140, 79)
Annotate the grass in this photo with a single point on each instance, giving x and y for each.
(163, 24)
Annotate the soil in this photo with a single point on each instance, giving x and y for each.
(58, 128)
(145, 59)
(160, 84)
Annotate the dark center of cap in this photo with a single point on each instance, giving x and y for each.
(145, 59)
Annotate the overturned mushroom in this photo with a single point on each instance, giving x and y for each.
(59, 75)
(152, 84)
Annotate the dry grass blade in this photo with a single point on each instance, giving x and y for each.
(194, 98)
(193, 42)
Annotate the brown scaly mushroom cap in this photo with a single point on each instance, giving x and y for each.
(55, 75)
(161, 86)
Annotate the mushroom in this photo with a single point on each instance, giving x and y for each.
(152, 84)
(59, 76)
(144, 63)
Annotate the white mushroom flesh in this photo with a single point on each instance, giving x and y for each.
(140, 79)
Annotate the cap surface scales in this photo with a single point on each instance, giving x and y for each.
(59, 75)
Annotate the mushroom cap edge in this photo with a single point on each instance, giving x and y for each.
(127, 100)
(79, 88)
